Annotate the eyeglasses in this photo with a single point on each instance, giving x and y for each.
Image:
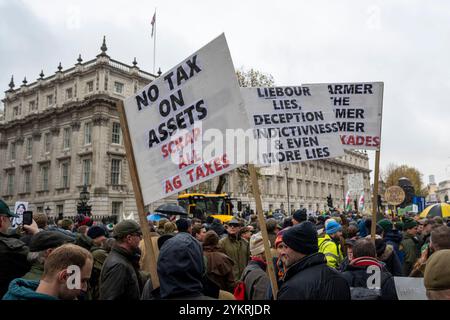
(136, 235)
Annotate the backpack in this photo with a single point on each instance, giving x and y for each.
(239, 291)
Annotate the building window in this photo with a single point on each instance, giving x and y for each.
(44, 176)
(60, 208)
(66, 138)
(16, 111)
(32, 106)
(116, 133)
(118, 87)
(29, 147)
(50, 101)
(65, 175)
(86, 171)
(12, 151)
(10, 186)
(115, 171)
(116, 208)
(90, 86)
(47, 142)
(87, 133)
(69, 93)
(27, 181)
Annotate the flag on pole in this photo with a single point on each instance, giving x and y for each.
(361, 202)
(348, 201)
(153, 23)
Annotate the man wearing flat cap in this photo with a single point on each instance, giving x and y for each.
(41, 245)
(308, 277)
(120, 278)
(236, 248)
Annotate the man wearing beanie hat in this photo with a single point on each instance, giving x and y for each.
(254, 275)
(308, 277)
(120, 278)
(437, 276)
(299, 216)
(330, 245)
(410, 246)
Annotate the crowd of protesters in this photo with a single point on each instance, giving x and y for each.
(315, 257)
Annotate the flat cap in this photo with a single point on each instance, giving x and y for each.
(48, 239)
(125, 228)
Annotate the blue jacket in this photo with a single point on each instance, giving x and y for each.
(21, 289)
(394, 238)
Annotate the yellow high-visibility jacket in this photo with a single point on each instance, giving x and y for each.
(331, 250)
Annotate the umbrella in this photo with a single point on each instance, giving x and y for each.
(436, 210)
(156, 216)
(171, 209)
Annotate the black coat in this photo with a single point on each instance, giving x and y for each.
(120, 278)
(357, 277)
(311, 279)
(13, 261)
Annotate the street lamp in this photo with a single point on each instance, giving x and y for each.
(286, 169)
(83, 207)
(47, 211)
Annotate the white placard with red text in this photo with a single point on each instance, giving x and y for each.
(358, 109)
(173, 119)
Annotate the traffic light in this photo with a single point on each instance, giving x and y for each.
(330, 202)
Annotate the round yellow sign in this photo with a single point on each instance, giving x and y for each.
(394, 195)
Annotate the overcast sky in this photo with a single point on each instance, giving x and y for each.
(403, 43)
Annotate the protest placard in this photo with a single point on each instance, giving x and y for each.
(408, 288)
(355, 183)
(173, 120)
(294, 122)
(19, 209)
(358, 110)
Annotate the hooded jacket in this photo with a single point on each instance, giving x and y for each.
(180, 268)
(357, 276)
(394, 238)
(387, 254)
(311, 279)
(21, 289)
(13, 260)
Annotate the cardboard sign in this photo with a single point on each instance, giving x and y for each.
(19, 208)
(358, 109)
(410, 288)
(175, 120)
(292, 123)
(394, 195)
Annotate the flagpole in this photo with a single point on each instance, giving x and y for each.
(154, 46)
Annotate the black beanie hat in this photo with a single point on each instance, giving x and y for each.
(302, 238)
(300, 215)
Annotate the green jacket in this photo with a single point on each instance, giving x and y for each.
(410, 247)
(99, 256)
(331, 250)
(239, 251)
(21, 289)
(35, 273)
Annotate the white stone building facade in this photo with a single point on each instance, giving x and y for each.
(63, 132)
